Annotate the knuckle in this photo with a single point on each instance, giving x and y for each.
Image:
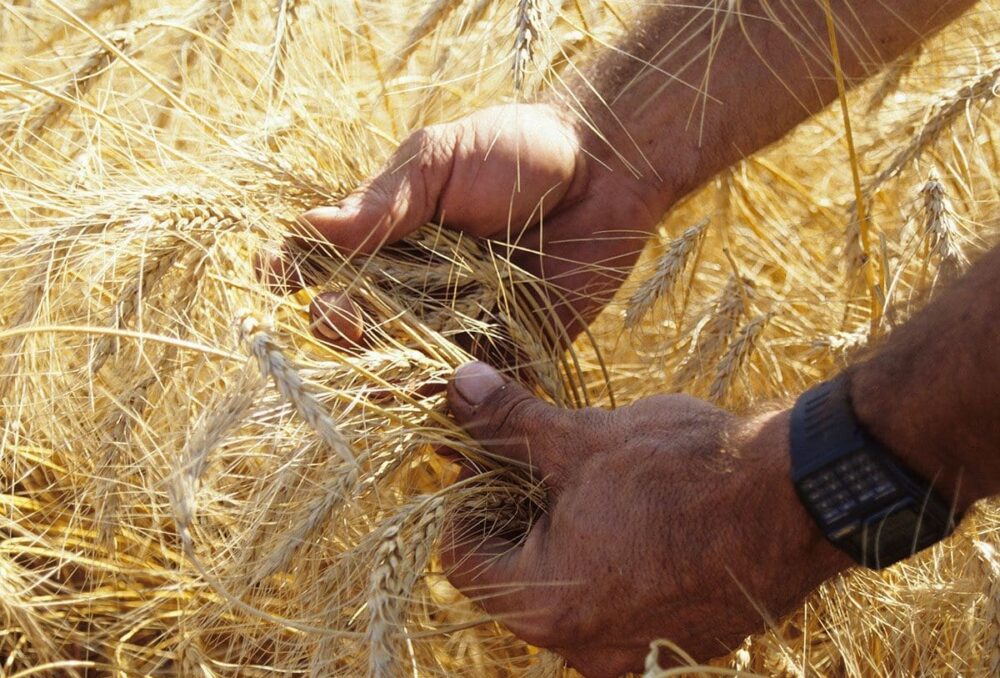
(512, 412)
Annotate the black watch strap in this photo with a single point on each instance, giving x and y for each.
(866, 502)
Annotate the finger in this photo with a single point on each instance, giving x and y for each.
(336, 319)
(507, 419)
(394, 203)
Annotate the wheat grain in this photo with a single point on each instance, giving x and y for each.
(669, 268)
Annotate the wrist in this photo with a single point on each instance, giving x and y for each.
(628, 157)
(890, 413)
(795, 547)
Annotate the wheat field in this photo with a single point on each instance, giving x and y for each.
(191, 484)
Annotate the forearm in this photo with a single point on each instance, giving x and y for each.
(698, 86)
(932, 392)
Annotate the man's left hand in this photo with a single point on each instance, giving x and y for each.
(669, 518)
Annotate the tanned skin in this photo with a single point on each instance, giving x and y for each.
(670, 517)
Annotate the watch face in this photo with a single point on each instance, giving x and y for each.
(855, 485)
(893, 536)
(865, 501)
(871, 511)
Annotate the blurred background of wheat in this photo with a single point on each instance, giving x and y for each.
(192, 485)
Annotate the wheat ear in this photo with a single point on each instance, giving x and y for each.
(985, 89)
(154, 269)
(82, 80)
(715, 331)
(668, 271)
(339, 485)
(208, 434)
(736, 356)
(527, 21)
(120, 423)
(398, 565)
(287, 12)
(274, 365)
(941, 230)
(438, 11)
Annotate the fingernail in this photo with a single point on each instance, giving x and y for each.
(475, 381)
(337, 318)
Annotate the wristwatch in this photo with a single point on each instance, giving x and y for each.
(863, 498)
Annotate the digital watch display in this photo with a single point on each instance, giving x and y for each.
(866, 502)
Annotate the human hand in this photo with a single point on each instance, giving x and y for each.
(669, 518)
(519, 174)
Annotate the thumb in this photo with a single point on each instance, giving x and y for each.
(384, 209)
(397, 201)
(507, 419)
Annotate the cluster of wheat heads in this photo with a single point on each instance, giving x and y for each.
(192, 485)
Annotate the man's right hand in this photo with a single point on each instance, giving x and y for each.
(519, 174)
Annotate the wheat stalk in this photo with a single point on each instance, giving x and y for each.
(669, 268)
